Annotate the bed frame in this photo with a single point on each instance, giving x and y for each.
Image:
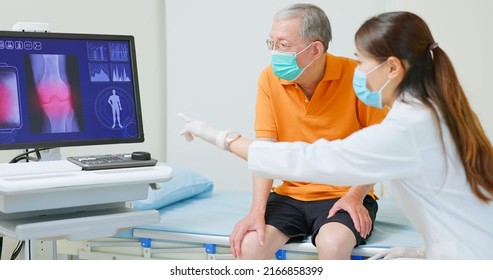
(199, 228)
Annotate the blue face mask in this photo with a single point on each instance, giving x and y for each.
(285, 66)
(366, 96)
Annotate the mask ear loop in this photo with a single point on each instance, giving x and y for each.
(376, 67)
(304, 48)
(310, 61)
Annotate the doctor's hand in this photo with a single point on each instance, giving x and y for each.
(195, 128)
(400, 252)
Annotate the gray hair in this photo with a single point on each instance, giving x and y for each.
(315, 25)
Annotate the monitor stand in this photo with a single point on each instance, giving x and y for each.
(51, 154)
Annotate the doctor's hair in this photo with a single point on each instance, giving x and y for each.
(430, 77)
(315, 25)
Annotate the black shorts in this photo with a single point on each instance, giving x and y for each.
(300, 219)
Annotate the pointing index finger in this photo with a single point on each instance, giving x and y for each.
(184, 117)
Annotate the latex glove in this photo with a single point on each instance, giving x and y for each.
(202, 130)
(400, 252)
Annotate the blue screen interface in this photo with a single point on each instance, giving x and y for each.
(65, 90)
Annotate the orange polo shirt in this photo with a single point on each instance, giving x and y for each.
(283, 112)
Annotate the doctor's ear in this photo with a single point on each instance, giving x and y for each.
(397, 67)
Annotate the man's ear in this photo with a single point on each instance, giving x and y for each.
(397, 68)
(318, 49)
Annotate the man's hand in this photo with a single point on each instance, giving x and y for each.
(202, 130)
(353, 204)
(251, 222)
(400, 252)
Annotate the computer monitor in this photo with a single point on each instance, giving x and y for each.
(60, 89)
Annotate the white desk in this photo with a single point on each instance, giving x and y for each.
(57, 200)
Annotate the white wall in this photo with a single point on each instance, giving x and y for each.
(142, 19)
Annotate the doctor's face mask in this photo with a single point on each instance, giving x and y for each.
(370, 98)
(285, 66)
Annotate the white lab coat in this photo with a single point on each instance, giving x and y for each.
(405, 154)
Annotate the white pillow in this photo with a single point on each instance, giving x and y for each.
(184, 184)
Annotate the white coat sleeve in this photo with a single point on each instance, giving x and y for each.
(381, 152)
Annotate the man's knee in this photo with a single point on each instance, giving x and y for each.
(335, 241)
(250, 248)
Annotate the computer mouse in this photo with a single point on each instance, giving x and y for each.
(141, 155)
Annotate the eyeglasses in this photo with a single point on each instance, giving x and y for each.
(278, 46)
(273, 45)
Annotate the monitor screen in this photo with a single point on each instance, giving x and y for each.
(59, 89)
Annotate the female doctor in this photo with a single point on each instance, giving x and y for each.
(430, 152)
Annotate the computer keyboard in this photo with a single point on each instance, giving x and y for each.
(110, 161)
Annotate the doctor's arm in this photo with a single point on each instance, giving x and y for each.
(196, 128)
(365, 157)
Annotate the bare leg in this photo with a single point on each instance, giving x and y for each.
(335, 241)
(251, 249)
